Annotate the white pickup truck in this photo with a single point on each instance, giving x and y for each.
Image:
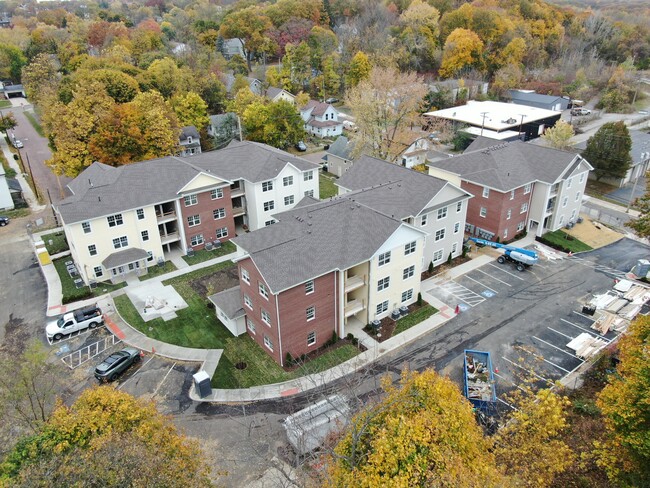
(89, 317)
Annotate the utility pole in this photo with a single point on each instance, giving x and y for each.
(241, 138)
(521, 123)
(31, 175)
(483, 114)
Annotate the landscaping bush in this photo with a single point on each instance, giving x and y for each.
(350, 336)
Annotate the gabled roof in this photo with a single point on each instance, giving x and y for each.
(313, 240)
(341, 148)
(390, 188)
(229, 302)
(317, 108)
(481, 142)
(510, 165)
(274, 91)
(189, 131)
(533, 97)
(121, 258)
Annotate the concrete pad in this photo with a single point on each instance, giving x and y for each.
(166, 298)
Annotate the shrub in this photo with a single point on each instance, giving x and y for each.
(350, 336)
(431, 267)
(289, 359)
(419, 299)
(448, 259)
(355, 341)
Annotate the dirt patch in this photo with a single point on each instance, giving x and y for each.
(216, 282)
(388, 325)
(593, 233)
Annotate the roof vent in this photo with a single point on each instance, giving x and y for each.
(99, 198)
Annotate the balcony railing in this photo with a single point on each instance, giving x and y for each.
(236, 191)
(354, 282)
(354, 306)
(166, 216)
(170, 237)
(239, 210)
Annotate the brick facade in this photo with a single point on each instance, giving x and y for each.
(497, 205)
(294, 328)
(208, 225)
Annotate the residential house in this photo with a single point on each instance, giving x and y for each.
(321, 119)
(322, 268)
(532, 99)
(517, 187)
(339, 156)
(256, 86)
(190, 141)
(8, 90)
(496, 120)
(6, 202)
(121, 220)
(231, 47)
(223, 127)
(433, 205)
(276, 94)
(416, 152)
(640, 154)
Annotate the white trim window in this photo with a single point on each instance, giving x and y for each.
(384, 258)
(115, 220)
(269, 222)
(222, 232)
(270, 205)
(245, 276)
(287, 181)
(439, 235)
(527, 188)
(99, 272)
(120, 242)
(437, 256)
(383, 283)
(483, 212)
(442, 213)
(262, 289)
(268, 343)
(92, 250)
(267, 186)
(520, 226)
(565, 200)
(289, 200)
(408, 272)
(250, 325)
(310, 313)
(248, 302)
(486, 192)
(423, 220)
(524, 207)
(561, 220)
(266, 317)
(190, 200)
(459, 207)
(145, 235)
(196, 240)
(382, 307)
(509, 214)
(407, 295)
(311, 338)
(216, 193)
(454, 248)
(456, 227)
(309, 193)
(140, 213)
(409, 248)
(577, 196)
(193, 220)
(569, 182)
(219, 213)
(309, 175)
(150, 256)
(582, 177)
(573, 214)
(505, 233)
(86, 227)
(512, 194)
(309, 287)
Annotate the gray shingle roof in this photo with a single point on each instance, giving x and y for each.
(229, 302)
(121, 258)
(510, 165)
(533, 97)
(315, 239)
(189, 131)
(640, 145)
(341, 148)
(389, 188)
(318, 108)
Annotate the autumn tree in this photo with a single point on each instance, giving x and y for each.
(384, 106)
(358, 70)
(120, 86)
(420, 33)
(277, 124)
(559, 136)
(625, 405)
(41, 78)
(12, 61)
(608, 151)
(7, 121)
(249, 25)
(106, 438)
(190, 109)
(463, 49)
(423, 433)
(166, 77)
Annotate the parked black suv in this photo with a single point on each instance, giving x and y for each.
(115, 364)
(3, 221)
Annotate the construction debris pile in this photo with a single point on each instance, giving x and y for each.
(479, 386)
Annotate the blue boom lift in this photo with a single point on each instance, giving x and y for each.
(522, 258)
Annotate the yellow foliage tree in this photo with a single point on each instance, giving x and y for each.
(463, 49)
(559, 136)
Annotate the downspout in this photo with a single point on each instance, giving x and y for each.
(277, 317)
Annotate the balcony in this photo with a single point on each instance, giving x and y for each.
(354, 282)
(236, 191)
(167, 216)
(555, 188)
(239, 210)
(354, 307)
(170, 237)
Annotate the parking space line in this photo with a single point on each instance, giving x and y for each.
(511, 382)
(163, 380)
(494, 277)
(587, 330)
(134, 374)
(476, 281)
(506, 403)
(583, 315)
(561, 333)
(527, 370)
(507, 272)
(555, 347)
(462, 293)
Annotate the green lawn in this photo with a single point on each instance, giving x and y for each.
(58, 245)
(203, 255)
(327, 187)
(262, 370)
(414, 318)
(196, 326)
(34, 121)
(562, 240)
(71, 293)
(5, 104)
(158, 270)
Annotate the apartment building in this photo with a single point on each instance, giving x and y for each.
(122, 220)
(517, 187)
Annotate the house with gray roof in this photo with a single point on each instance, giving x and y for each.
(338, 156)
(177, 205)
(321, 119)
(189, 141)
(255, 85)
(432, 204)
(325, 268)
(517, 187)
(532, 99)
(276, 94)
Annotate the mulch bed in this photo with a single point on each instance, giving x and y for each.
(216, 282)
(388, 326)
(322, 350)
(444, 267)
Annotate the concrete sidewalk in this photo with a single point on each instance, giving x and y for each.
(28, 193)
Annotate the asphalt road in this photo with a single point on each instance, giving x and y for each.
(36, 149)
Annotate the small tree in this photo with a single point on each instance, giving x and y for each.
(641, 225)
(559, 136)
(7, 121)
(608, 151)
